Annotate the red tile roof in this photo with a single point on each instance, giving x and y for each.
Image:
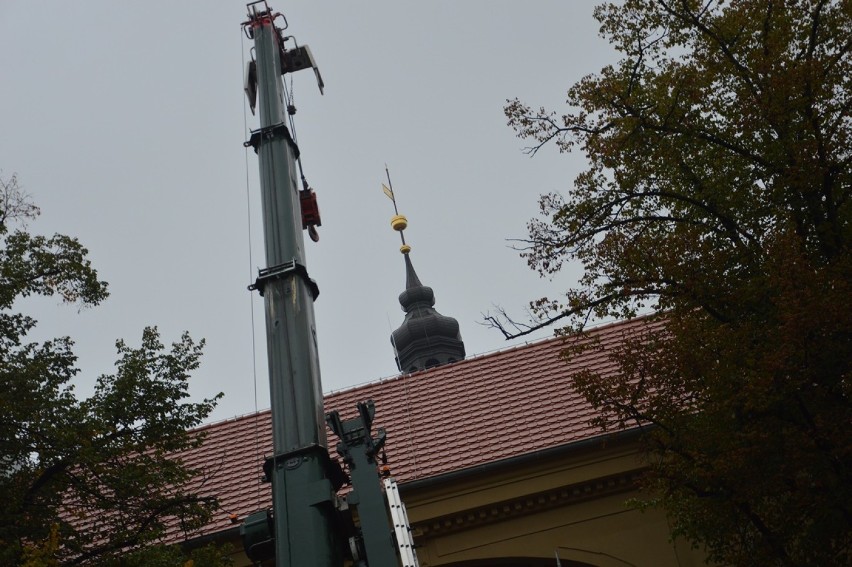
(477, 411)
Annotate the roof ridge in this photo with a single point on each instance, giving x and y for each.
(486, 354)
(234, 418)
(467, 360)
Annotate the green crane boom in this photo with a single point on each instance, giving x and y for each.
(303, 494)
(309, 525)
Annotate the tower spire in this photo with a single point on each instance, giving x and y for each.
(425, 338)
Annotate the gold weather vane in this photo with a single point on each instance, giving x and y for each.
(398, 222)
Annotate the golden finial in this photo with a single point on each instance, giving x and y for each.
(398, 222)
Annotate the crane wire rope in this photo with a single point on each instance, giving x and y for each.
(257, 452)
(290, 101)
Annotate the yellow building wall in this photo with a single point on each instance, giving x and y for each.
(574, 506)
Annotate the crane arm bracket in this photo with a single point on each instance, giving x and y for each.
(292, 459)
(281, 271)
(270, 133)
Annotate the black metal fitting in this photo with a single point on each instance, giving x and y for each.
(293, 459)
(280, 271)
(270, 133)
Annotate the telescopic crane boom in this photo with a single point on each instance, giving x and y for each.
(309, 524)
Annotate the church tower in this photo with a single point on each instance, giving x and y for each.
(425, 338)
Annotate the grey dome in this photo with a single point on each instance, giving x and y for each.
(426, 338)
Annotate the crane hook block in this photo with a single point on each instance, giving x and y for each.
(310, 209)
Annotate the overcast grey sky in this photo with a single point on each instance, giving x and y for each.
(125, 122)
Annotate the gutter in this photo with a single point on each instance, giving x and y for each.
(217, 537)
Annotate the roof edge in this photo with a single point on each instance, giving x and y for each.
(619, 437)
(597, 327)
(211, 537)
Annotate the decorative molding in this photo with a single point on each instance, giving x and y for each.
(528, 504)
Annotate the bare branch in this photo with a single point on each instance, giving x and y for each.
(15, 203)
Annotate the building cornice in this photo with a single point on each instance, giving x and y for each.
(529, 504)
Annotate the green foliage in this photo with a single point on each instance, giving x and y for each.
(42, 554)
(86, 480)
(173, 556)
(211, 555)
(718, 198)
